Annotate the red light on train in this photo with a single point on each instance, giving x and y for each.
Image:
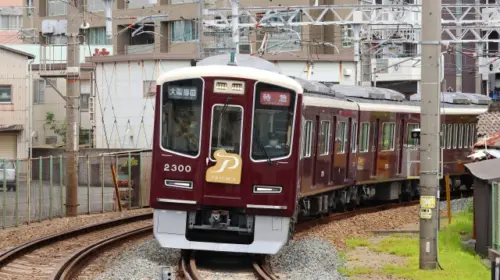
(275, 98)
(346, 113)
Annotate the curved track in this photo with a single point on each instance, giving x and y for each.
(57, 256)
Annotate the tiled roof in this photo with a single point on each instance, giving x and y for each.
(489, 122)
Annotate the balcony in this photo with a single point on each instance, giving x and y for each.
(139, 49)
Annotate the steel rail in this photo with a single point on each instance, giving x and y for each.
(27, 247)
(188, 265)
(261, 270)
(70, 267)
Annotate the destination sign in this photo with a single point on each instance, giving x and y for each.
(275, 98)
(185, 93)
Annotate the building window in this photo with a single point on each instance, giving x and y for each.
(449, 138)
(455, 135)
(409, 140)
(365, 137)
(10, 22)
(57, 8)
(324, 143)
(95, 5)
(287, 39)
(97, 36)
(466, 136)
(149, 89)
(443, 136)
(84, 101)
(140, 4)
(39, 91)
(184, 31)
(183, 1)
(5, 94)
(307, 142)
(388, 136)
(354, 136)
(342, 136)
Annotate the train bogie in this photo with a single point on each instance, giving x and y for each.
(241, 153)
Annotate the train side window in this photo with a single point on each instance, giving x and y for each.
(466, 135)
(443, 136)
(460, 136)
(449, 138)
(364, 142)
(342, 136)
(354, 136)
(324, 144)
(455, 135)
(388, 134)
(409, 140)
(308, 138)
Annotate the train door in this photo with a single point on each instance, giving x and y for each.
(375, 147)
(401, 145)
(347, 162)
(316, 136)
(333, 151)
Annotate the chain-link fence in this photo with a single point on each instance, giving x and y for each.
(35, 190)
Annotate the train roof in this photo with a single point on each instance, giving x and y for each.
(243, 60)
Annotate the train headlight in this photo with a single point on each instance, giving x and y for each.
(179, 184)
(262, 189)
(229, 87)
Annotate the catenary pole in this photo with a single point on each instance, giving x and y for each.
(430, 124)
(72, 107)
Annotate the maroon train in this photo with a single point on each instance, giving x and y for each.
(239, 153)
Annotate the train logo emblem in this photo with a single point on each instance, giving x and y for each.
(227, 170)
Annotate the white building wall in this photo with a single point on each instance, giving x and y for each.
(120, 103)
(335, 72)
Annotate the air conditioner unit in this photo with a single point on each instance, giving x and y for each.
(245, 48)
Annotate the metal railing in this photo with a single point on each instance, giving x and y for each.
(35, 190)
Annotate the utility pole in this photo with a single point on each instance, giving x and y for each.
(235, 10)
(366, 64)
(479, 53)
(108, 9)
(72, 107)
(430, 130)
(458, 54)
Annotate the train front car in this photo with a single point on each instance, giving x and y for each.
(225, 161)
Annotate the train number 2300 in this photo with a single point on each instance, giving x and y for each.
(177, 168)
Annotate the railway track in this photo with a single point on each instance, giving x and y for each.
(189, 269)
(62, 255)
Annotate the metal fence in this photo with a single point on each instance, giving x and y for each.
(35, 190)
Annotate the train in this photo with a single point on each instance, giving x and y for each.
(241, 151)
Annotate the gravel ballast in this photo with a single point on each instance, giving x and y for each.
(457, 205)
(141, 262)
(308, 258)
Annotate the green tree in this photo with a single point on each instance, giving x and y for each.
(59, 128)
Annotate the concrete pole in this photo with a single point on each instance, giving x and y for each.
(235, 10)
(200, 30)
(366, 65)
(430, 124)
(458, 54)
(356, 28)
(108, 9)
(479, 53)
(72, 107)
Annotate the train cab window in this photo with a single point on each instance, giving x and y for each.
(455, 135)
(365, 137)
(324, 141)
(226, 128)
(342, 136)
(181, 116)
(410, 141)
(273, 116)
(466, 136)
(307, 140)
(388, 133)
(449, 138)
(460, 135)
(443, 136)
(354, 136)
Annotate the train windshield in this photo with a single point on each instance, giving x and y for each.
(273, 120)
(226, 128)
(181, 116)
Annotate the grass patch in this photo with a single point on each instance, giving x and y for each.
(457, 262)
(357, 242)
(356, 270)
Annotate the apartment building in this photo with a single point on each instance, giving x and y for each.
(11, 21)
